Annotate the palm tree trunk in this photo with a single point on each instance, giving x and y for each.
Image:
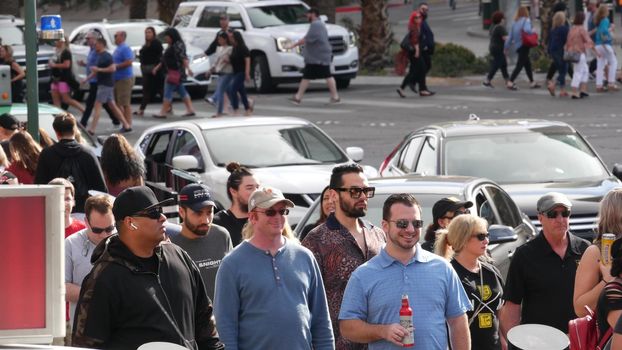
(166, 9)
(138, 9)
(374, 34)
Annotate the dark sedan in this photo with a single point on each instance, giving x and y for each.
(491, 202)
(527, 157)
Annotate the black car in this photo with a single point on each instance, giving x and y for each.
(509, 227)
(527, 157)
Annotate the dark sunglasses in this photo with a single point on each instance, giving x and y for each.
(552, 214)
(153, 213)
(355, 192)
(98, 230)
(403, 223)
(482, 236)
(456, 213)
(273, 212)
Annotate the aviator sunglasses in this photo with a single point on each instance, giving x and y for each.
(273, 212)
(153, 213)
(403, 223)
(355, 192)
(482, 236)
(552, 214)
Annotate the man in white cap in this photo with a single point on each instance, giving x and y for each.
(540, 281)
(269, 290)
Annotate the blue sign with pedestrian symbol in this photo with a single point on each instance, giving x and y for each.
(51, 22)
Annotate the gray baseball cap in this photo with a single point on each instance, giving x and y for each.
(551, 200)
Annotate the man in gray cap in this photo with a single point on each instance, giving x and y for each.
(540, 281)
(206, 243)
(140, 289)
(269, 290)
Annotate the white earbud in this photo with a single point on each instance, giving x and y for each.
(133, 226)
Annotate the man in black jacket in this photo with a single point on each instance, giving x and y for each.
(427, 37)
(67, 157)
(140, 289)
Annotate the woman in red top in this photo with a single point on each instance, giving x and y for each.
(417, 71)
(25, 154)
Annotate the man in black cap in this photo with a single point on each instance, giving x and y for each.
(443, 212)
(8, 127)
(140, 290)
(206, 243)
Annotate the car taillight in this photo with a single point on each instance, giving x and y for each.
(386, 161)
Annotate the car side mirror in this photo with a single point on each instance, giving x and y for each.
(236, 25)
(185, 162)
(324, 18)
(501, 234)
(617, 171)
(355, 153)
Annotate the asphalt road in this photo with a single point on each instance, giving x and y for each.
(373, 116)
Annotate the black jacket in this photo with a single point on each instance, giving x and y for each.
(426, 40)
(118, 306)
(52, 157)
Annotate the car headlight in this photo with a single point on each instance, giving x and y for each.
(282, 45)
(199, 58)
(352, 39)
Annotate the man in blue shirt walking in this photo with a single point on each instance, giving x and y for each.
(371, 304)
(123, 57)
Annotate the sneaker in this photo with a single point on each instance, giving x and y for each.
(584, 94)
(512, 87)
(487, 84)
(210, 101)
(125, 131)
(335, 101)
(294, 100)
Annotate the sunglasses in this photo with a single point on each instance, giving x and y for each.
(273, 212)
(98, 230)
(456, 213)
(403, 223)
(482, 236)
(552, 214)
(153, 213)
(355, 192)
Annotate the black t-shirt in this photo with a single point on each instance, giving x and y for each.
(543, 282)
(152, 53)
(149, 264)
(238, 55)
(610, 299)
(226, 219)
(496, 39)
(104, 60)
(486, 299)
(62, 74)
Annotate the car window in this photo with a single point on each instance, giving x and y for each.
(409, 155)
(183, 16)
(277, 15)
(271, 145)
(551, 157)
(426, 165)
(506, 209)
(210, 17)
(186, 144)
(80, 38)
(12, 35)
(155, 146)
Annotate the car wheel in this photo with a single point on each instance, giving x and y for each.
(262, 81)
(197, 91)
(342, 83)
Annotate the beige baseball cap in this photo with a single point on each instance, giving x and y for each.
(266, 197)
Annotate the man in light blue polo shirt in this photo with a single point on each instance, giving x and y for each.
(123, 57)
(372, 300)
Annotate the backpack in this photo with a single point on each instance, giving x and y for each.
(584, 334)
(70, 169)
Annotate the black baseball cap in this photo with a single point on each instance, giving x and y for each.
(196, 197)
(136, 199)
(9, 122)
(448, 204)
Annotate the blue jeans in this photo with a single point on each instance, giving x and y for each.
(224, 80)
(169, 89)
(237, 87)
(562, 67)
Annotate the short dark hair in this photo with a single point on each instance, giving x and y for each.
(336, 178)
(497, 17)
(402, 198)
(237, 172)
(101, 41)
(100, 203)
(314, 11)
(64, 124)
(579, 18)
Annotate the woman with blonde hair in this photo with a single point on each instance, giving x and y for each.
(557, 41)
(25, 153)
(607, 57)
(468, 237)
(577, 43)
(522, 23)
(592, 275)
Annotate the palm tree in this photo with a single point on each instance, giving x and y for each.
(374, 34)
(166, 9)
(138, 9)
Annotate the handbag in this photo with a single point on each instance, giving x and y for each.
(173, 77)
(572, 56)
(528, 39)
(405, 44)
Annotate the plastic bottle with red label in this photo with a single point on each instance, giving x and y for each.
(406, 321)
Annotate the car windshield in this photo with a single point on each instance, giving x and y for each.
(135, 34)
(277, 15)
(12, 35)
(533, 157)
(272, 145)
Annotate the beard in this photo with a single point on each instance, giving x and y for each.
(351, 211)
(424, 16)
(199, 230)
(243, 207)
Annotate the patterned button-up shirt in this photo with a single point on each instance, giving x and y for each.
(338, 255)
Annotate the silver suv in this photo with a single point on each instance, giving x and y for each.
(267, 27)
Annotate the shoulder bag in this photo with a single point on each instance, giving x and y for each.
(528, 39)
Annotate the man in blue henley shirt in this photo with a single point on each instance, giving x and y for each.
(371, 304)
(269, 290)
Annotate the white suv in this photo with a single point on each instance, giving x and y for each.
(267, 27)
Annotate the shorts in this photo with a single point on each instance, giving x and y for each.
(61, 87)
(104, 94)
(169, 89)
(123, 91)
(316, 71)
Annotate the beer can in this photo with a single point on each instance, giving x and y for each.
(605, 247)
